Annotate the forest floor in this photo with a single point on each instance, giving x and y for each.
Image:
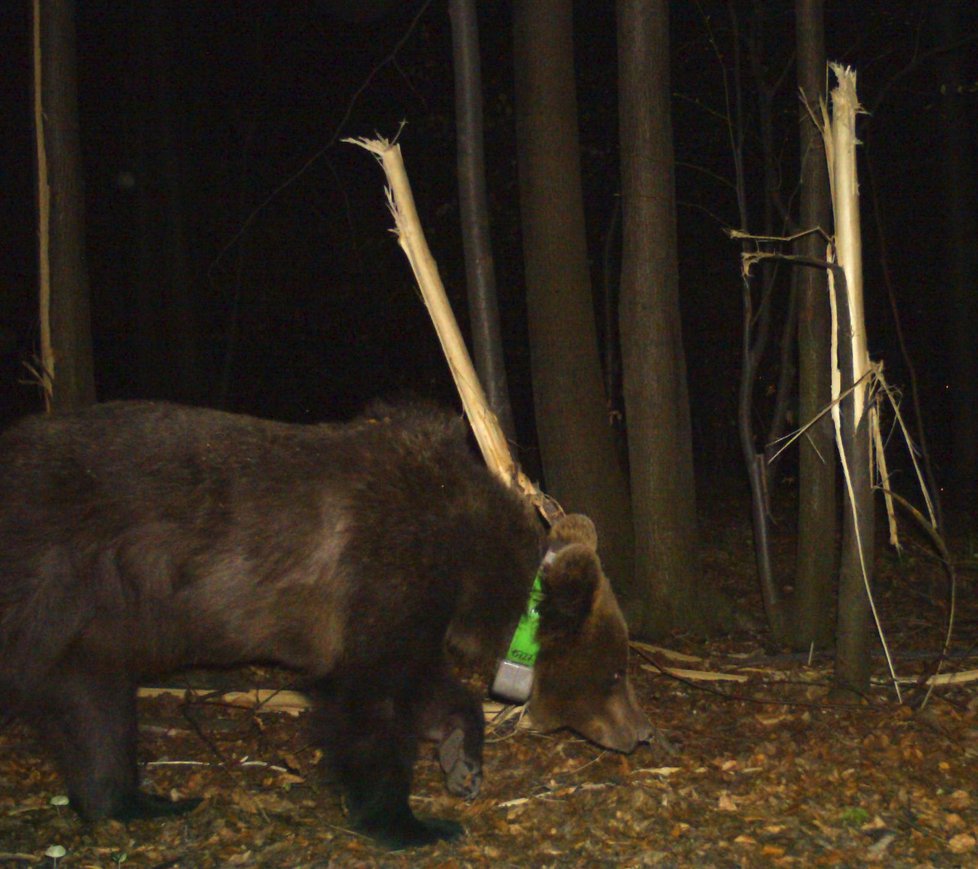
(765, 769)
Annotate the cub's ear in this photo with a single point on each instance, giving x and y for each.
(573, 528)
(571, 578)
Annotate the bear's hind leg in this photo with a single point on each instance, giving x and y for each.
(87, 718)
(370, 745)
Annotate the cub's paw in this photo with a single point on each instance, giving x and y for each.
(463, 774)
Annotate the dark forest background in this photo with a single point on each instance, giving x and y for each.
(239, 254)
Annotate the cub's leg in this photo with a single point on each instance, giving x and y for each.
(87, 717)
(370, 744)
(451, 716)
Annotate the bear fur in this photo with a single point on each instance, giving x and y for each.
(137, 538)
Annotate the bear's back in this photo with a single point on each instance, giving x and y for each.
(193, 532)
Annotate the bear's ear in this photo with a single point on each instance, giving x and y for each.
(571, 578)
(573, 528)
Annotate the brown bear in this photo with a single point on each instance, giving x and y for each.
(137, 538)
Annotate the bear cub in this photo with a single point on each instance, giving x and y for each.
(137, 538)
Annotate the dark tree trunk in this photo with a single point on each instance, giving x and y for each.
(480, 277)
(817, 509)
(60, 176)
(668, 590)
(853, 657)
(756, 318)
(576, 441)
(854, 636)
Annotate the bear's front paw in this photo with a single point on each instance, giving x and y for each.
(408, 831)
(463, 774)
(141, 804)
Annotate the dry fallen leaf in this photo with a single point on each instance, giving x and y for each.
(962, 843)
(725, 803)
(954, 821)
(959, 800)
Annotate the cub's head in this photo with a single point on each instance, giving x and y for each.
(581, 674)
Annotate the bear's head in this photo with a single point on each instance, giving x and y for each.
(580, 678)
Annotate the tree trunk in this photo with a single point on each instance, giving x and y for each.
(480, 277)
(852, 642)
(64, 278)
(756, 317)
(667, 591)
(853, 656)
(817, 522)
(852, 649)
(576, 442)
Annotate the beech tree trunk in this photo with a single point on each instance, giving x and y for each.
(817, 553)
(853, 650)
(575, 437)
(853, 634)
(64, 277)
(667, 591)
(480, 276)
(854, 637)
